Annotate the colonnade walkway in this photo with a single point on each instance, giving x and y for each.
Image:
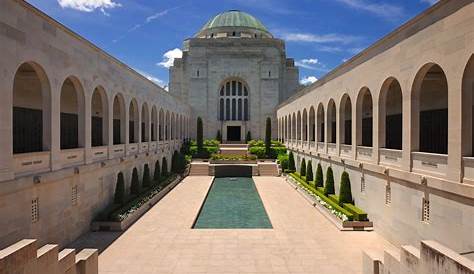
(301, 241)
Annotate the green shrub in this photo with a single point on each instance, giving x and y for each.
(219, 136)
(174, 162)
(199, 140)
(283, 160)
(303, 167)
(319, 182)
(256, 143)
(309, 172)
(146, 176)
(119, 197)
(329, 185)
(211, 143)
(164, 168)
(135, 185)
(268, 136)
(345, 193)
(291, 162)
(359, 214)
(277, 144)
(248, 137)
(258, 151)
(334, 198)
(157, 173)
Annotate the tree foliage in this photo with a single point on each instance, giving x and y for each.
(119, 197)
(291, 162)
(319, 182)
(345, 192)
(309, 172)
(199, 134)
(329, 186)
(135, 185)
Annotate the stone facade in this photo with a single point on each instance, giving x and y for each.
(208, 62)
(413, 188)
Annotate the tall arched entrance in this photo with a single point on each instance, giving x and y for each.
(233, 110)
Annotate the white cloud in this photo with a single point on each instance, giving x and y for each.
(169, 56)
(156, 16)
(312, 61)
(431, 2)
(308, 80)
(385, 10)
(89, 5)
(316, 38)
(311, 64)
(154, 79)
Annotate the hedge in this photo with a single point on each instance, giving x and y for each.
(319, 181)
(309, 172)
(359, 214)
(303, 167)
(283, 160)
(329, 185)
(334, 205)
(119, 197)
(345, 192)
(291, 162)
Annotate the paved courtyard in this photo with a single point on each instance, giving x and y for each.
(302, 240)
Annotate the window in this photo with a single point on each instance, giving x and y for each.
(388, 194)
(74, 196)
(34, 210)
(426, 210)
(233, 101)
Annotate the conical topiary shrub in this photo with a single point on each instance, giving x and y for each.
(303, 168)
(319, 182)
(219, 136)
(309, 172)
(119, 197)
(329, 186)
(268, 137)
(174, 162)
(345, 193)
(146, 176)
(291, 162)
(135, 185)
(164, 168)
(248, 137)
(199, 134)
(157, 173)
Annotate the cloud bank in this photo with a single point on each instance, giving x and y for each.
(89, 5)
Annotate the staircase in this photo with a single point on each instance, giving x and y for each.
(199, 169)
(233, 149)
(268, 169)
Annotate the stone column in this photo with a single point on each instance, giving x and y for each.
(354, 129)
(109, 123)
(409, 110)
(87, 133)
(6, 128)
(455, 168)
(339, 124)
(375, 127)
(55, 122)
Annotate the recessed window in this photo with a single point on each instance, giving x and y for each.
(426, 210)
(74, 196)
(388, 194)
(197, 73)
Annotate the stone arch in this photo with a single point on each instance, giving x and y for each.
(320, 124)
(468, 109)
(430, 110)
(161, 124)
(312, 124)
(145, 123)
(167, 126)
(119, 119)
(133, 122)
(154, 123)
(99, 117)
(364, 118)
(305, 125)
(331, 122)
(31, 119)
(298, 126)
(293, 127)
(391, 114)
(234, 100)
(72, 114)
(345, 120)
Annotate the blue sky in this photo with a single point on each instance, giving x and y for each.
(147, 34)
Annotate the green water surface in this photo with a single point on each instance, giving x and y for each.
(233, 203)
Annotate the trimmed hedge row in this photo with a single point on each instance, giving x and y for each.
(333, 204)
(359, 214)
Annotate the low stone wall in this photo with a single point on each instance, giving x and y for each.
(433, 258)
(24, 257)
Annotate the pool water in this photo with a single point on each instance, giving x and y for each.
(233, 203)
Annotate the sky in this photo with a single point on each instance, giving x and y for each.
(148, 34)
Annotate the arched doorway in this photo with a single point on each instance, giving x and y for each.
(468, 109)
(71, 114)
(364, 118)
(321, 124)
(119, 120)
(331, 122)
(345, 125)
(99, 118)
(133, 125)
(233, 109)
(391, 115)
(31, 129)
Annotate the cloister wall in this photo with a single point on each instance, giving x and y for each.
(442, 35)
(54, 194)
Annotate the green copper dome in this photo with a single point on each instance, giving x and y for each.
(234, 18)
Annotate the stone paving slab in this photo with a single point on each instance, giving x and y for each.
(302, 240)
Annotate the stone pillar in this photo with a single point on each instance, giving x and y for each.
(127, 124)
(375, 127)
(109, 123)
(339, 124)
(7, 171)
(55, 127)
(354, 129)
(19, 258)
(455, 168)
(409, 141)
(87, 133)
(47, 259)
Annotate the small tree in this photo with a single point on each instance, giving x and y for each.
(199, 138)
(164, 168)
(303, 168)
(174, 162)
(119, 197)
(146, 176)
(329, 186)
(309, 172)
(135, 185)
(345, 193)
(157, 174)
(219, 136)
(319, 182)
(268, 136)
(291, 162)
(248, 137)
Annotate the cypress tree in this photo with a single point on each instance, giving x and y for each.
(157, 174)
(345, 193)
(164, 168)
(291, 162)
(199, 138)
(174, 162)
(119, 197)
(248, 137)
(309, 172)
(319, 182)
(219, 136)
(135, 185)
(146, 176)
(268, 136)
(303, 168)
(329, 186)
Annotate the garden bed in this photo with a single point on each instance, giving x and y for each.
(341, 217)
(135, 209)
